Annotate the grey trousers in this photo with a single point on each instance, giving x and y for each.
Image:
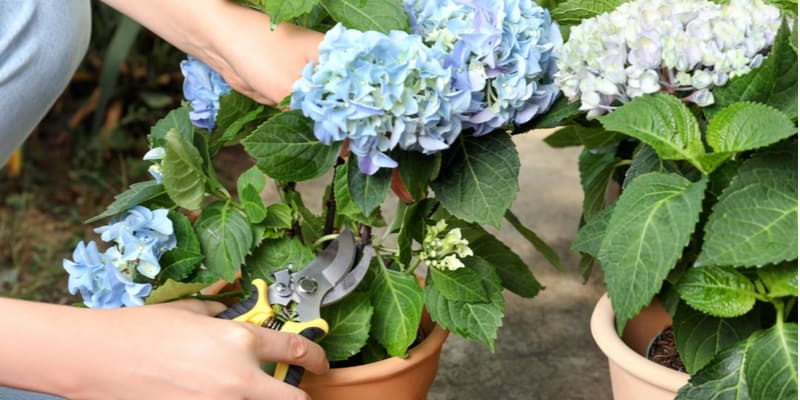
(41, 44)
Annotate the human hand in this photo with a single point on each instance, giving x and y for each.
(175, 351)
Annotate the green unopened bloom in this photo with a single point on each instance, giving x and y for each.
(444, 251)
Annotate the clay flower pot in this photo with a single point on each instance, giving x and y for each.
(391, 379)
(633, 376)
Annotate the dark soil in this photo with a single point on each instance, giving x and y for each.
(665, 352)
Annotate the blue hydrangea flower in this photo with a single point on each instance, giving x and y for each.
(381, 92)
(203, 87)
(100, 283)
(141, 223)
(502, 51)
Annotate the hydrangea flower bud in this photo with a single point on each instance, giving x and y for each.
(444, 252)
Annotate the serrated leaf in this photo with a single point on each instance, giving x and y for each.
(279, 216)
(572, 12)
(700, 337)
(770, 365)
(253, 205)
(596, 170)
(590, 236)
(543, 248)
(646, 160)
(368, 15)
(345, 204)
(172, 290)
(478, 181)
(780, 280)
(349, 321)
(577, 135)
(718, 291)
(747, 126)
(754, 223)
(282, 10)
(460, 285)
(235, 112)
(413, 227)
(720, 379)
(177, 119)
(182, 171)
(252, 177)
(397, 299)
(367, 191)
(513, 272)
(285, 148)
(652, 222)
(416, 171)
(773, 83)
(225, 237)
(179, 263)
(136, 194)
(664, 123)
(275, 254)
(562, 110)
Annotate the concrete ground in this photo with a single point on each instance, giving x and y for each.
(544, 349)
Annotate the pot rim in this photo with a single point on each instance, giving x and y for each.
(429, 346)
(604, 332)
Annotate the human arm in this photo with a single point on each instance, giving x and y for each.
(168, 351)
(234, 40)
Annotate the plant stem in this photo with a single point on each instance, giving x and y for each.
(325, 238)
(416, 263)
(219, 296)
(297, 232)
(330, 202)
(779, 312)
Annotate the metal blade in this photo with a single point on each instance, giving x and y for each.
(351, 280)
(334, 261)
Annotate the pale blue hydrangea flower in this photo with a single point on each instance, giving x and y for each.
(380, 92)
(140, 237)
(684, 47)
(155, 154)
(203, 87)
(502, 51)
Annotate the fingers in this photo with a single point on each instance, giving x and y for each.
(266, 387)
(210, 308)
(290, 348)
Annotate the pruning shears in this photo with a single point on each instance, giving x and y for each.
(298, 294)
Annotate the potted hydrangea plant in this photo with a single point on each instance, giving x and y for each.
(691, 107)
(422, 97)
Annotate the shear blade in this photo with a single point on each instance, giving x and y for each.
(349, 282)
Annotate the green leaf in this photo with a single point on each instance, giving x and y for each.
(718, 291)
(279, 216)
(253, 205)
(589, 239)
(252, 177)
(646, 160)
(460, 285)
(413, 227)
(754, 223)
(700, 337)
(180, 262)
(275, 254)
(416, 171)
(172, 290)
(596, 170)
(770, 365)
(473, 320)
(282, 10)
(663, 122)
(368, 15)
(182, 170)
(225, 237)
(651, 224)
(397, 299)
(773, 83)
(562, 110)
(747, 126)
(285, 148)
(478, 181)
(138, 193)
(235, 112)
(177, 119)
(573, 12)
(780, 280)
(543, 248)
(367, 191)
(577, 135)
(349, 321)
(513, 272)
(721, 379)
(345, 204)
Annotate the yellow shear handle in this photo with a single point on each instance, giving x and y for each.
(260, 312)
(312, 330)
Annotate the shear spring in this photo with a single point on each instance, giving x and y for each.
(275, 325)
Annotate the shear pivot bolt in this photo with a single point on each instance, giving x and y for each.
(307, 285)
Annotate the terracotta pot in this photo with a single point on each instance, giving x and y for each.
(391, 379)
(633, 376)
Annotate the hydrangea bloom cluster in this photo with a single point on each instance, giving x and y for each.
(108, 280)
(203, 87)
(501, 51)
(684, 47)
(381, 92)
(444, 252)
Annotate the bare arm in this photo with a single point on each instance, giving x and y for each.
(168, 351)
(235, 41)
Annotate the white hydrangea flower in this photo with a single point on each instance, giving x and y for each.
(683, 47)
(444, 253)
